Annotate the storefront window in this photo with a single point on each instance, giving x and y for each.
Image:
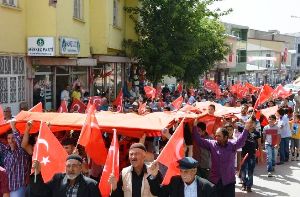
(99, 79)
(79, 77)
(110, 83)
(43, 87)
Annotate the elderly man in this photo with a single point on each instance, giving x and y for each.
(69, 184)
(134, 180)
(7, 114)
(187, 184)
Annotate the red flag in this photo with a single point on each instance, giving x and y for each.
(91, 138)
(111, 167)
(264, 95)
(94, 100)
(177, 102)
(192, 91)
(119, 101)
(212, 123)
(212, 86)
(280, 92)
(150, 92)
(179, 87)
(46, 151)
(172, 152)
(78, 106)
(2, 121)
(251, 88)
(37, 108)
(63, 107)
(142, 108)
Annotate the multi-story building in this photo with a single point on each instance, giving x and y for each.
(271, 51)
(48, 44)
(237, 58)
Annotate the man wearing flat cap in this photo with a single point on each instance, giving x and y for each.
(69, 184)
(187, 184)
(134, 180)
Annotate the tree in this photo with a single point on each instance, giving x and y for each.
(180, 38)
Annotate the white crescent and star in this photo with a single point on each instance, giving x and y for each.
(43, 141)
(45, 160)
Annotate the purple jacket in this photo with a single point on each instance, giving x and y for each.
(222, 157)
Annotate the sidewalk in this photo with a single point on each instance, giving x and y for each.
(285, 182)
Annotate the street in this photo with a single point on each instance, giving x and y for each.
(285, 182)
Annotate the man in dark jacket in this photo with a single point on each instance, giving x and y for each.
(188, 184)
(69, 184)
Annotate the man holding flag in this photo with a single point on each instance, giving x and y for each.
(68, 184)
(186, 184)
(134, 180)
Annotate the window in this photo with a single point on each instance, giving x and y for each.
(78, 9)
(298, 61)
(298, 48)
(10, 2)
(268, 62)
(115, 12)
(12, 79)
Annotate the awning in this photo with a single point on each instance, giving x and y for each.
(63, 61)
(251, 67)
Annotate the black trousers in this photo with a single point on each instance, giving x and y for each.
(225, 190)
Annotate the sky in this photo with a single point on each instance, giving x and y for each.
(263, 14)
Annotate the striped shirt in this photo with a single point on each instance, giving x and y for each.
(16, 163)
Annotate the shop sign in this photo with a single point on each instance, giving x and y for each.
(69, 46)
(40, 46)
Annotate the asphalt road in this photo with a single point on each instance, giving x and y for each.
(285, 182)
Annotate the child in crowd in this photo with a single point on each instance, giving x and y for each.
(295, 127)
(271, 139)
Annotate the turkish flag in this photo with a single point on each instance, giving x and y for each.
(177, 103)
(251, 88)
(95, 100)
(46, 151)
(37, 108)
(2, 121)
(212, 123)
(264, 95)
(142, 108)
(280, 92)
(119, 101)
(192, 91)
(179, 87)
(91, 138)
(171, 153)
(212, 86)
(78, 106)
(63, 107)
(150, 92)
(111, 166)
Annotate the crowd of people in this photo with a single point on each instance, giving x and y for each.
(210, 165)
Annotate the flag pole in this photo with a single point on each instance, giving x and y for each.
(37, 151)
(113, 158)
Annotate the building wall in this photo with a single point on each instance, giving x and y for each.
(12, 33)
(45, 20)
(99, 26)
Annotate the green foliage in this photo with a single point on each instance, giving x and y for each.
(180, 38)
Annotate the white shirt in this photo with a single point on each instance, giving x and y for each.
(190, 190)
(284, 127)
(65, 95)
